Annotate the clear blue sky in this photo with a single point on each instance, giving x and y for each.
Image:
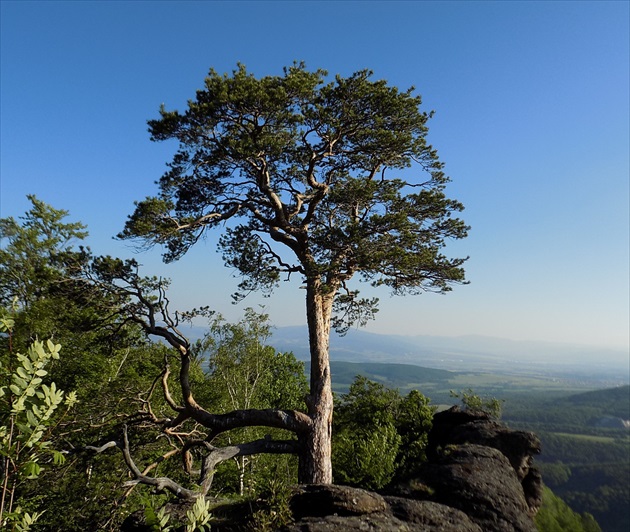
(532, 121)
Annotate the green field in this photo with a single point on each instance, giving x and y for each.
(437, 384)
(587, 437)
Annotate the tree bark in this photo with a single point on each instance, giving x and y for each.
(315, 466)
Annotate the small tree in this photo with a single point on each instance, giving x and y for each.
(36, 252)
(556, 516)
(321, 180)
(379, 435)
(366, 442)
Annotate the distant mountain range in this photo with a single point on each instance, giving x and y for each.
(471, 353)
(462, 353)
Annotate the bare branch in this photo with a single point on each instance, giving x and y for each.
(104, 447)
(159, 483)
(207, 219)
(217, 455)
(167, 394)
(152, 466)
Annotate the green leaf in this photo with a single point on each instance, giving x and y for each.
(35, 438)
(32, 419)
(58, 458)
(32, 470)
(28, 366)
(54, 349)
(19, 382)
(36, 351)
(6, 324)
(71, 398)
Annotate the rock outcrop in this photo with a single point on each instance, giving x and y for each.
(457, 427)
(479, 477)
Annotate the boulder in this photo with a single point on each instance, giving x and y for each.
(480, 482)
(328, 508)
(315, 500)
(454, 426)
(427, 515)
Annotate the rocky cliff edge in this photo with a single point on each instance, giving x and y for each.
(478, 478)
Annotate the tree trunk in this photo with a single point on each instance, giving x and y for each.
(241, 475)
(315, 465)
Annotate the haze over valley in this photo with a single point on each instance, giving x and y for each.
(550, 364)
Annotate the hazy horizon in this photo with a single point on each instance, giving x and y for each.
(401, 349)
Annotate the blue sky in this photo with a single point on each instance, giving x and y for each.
(532, 121)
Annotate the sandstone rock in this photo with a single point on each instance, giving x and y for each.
(329, 508)
(478, 478)
(457, 426)
(426, 515)
(379, 522)
(480, 482)
(454, 426)
(319, 500)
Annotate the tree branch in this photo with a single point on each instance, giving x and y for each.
(159, 483)
(217, 455)
(104, 447)
(291, 420)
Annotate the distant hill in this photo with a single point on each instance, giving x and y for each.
(585, 449)
(389, 375)
(611, 402)
(572, 412)
(602, 367)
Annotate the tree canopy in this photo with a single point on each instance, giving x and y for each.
(37, 252)
(314, 165)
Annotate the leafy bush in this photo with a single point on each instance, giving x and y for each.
(556, 516)
(27, 410)
(379, 435)
(471, 401)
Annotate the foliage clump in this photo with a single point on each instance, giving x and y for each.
(379, 435)
(556, 516)
(477, 403)
(29, 410)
